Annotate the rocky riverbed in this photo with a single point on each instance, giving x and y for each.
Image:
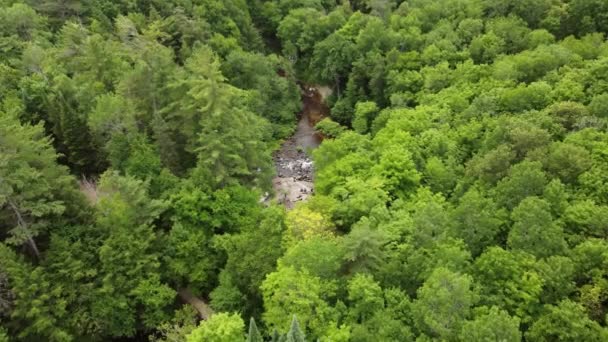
(294, 166)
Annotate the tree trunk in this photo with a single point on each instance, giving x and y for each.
(338, 86)
(23, 225)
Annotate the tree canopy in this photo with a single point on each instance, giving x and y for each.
(460, 189)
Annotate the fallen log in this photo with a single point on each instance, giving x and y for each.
(203, 309)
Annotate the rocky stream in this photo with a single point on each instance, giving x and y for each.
(294, 166)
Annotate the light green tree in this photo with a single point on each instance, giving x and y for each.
(131, 288)
(365, 297)
(444, 302)
(566, 321)
(290, 292)
(221, 327)
(534, 230)
(477, 221)
(491, 324)
(38, 302)
(508, 280)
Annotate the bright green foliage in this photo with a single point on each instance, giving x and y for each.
(192, 258)
(558, 278)
(20, 24)
(363, 249)
(508, 280)
(444, 302)
(338, 334)
(248, 261)
(333, 58)
(590, 259)
(534, 230)
(320, 255)
(430, 217)
(566, 322)
(478, 221)
(491, 325)
(365, 296)
(485, 48)
(130, 268)
(112, 115)
(421, 262)
(599, 105)
(218, 160)
(274, 97)
(365, 113)
(221, 327)
(568, 161)
(463, 166)
(227, 138)
(586, 217)
(439, 175)
(302, 28)
(385, 326)
(397, 170)
(290, 292)
(525, 98)
(37, 300)
(329, 128)
(358, 197)
(524, 179)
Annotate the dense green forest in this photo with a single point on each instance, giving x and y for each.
(461, 190)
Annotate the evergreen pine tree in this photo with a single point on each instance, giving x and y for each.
(275, 336)
(33, 187)
(81, 154)
(295, 334)
(254, 334)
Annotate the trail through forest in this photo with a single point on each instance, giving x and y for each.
(294, 180)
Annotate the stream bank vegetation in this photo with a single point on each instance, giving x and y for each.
(461, 191)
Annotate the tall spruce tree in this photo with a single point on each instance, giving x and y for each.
(254, 334)
(295, 334)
